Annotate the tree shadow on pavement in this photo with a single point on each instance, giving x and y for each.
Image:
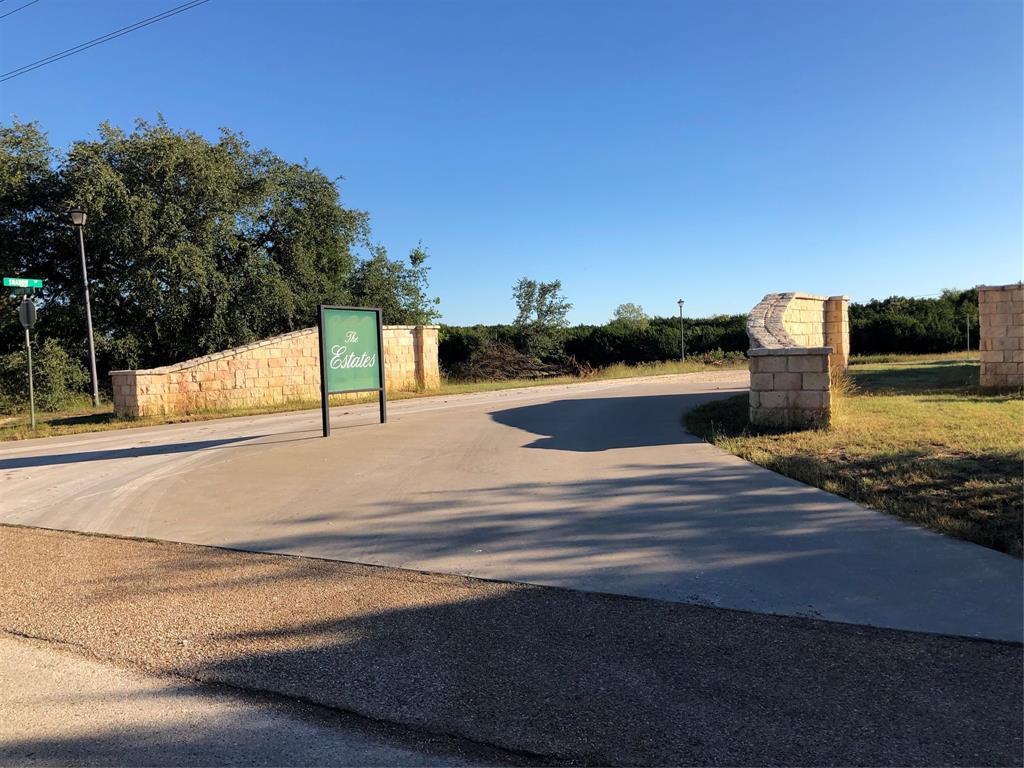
(604, 423)
(571, 676)
(134, 452)
(104, 715)
(709, 531)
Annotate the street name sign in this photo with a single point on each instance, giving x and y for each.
(351, 355)
(22, 282)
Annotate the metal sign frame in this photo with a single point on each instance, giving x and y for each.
(325, 393)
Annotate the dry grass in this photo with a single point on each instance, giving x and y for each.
(915, 439)
(88, 419)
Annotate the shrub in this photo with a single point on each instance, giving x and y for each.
(60, 380)
(914, 325)
(499, 361)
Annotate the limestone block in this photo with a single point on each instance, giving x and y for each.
(787, 381)
(807, 363)
(772, 400)
(815, 381)
(1005, 342)
(809, 400)
(769, 417)
(762, 381)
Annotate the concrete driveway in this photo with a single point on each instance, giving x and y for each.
(594, 486)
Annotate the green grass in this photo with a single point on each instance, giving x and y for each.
(916, 438)
(934, 357)
(85, 418)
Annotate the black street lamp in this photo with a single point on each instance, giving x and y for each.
(78, 217)
(682, 339)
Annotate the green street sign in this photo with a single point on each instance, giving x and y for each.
(351, 355)
(22, 282)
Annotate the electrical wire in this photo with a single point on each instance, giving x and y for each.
(19, 8)
(99, 40)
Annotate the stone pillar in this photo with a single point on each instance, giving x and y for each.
(428, 371)
(790, 387)
(1001, 330)
(418, 363)
(837, 330)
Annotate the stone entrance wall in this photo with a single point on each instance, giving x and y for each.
(1001, 322)
(275, 370)
(796, 341)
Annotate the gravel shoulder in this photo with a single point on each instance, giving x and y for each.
(564, 676)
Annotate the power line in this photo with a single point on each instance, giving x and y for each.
(19, 8)
(101, 39)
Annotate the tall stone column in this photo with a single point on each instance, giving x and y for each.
(837, 331)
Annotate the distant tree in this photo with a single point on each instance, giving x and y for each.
(540, 304)
(541, 311)
(632, 315)
(398, 289)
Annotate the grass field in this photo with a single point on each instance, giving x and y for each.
(913, 437)
(85, 418)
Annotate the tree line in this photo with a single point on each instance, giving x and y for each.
(540, 341)
(897, 324)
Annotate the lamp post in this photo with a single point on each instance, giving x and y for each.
(682, 339)
(78, 217)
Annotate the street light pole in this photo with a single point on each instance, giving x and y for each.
(682, 338)
(78, 218)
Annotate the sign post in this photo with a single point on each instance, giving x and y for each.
(26, 287)
(351, 356)
(27, 316)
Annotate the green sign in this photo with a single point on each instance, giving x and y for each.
(22, 282)
(351, 354)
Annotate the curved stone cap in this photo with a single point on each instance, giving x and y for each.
(795, 320)
(764, 323)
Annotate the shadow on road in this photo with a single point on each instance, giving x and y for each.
(24, 462)
(578, 677)
(606, 423)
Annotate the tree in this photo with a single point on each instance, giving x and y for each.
(30, 193)
(196, 246)
(632, 315)
(193, 245)
(540, 304)
(541, 311)
(399, 290)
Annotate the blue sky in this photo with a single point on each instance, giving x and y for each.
(638, 151)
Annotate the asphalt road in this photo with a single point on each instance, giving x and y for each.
(593, 486)
(555, 675)
(63, 708)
